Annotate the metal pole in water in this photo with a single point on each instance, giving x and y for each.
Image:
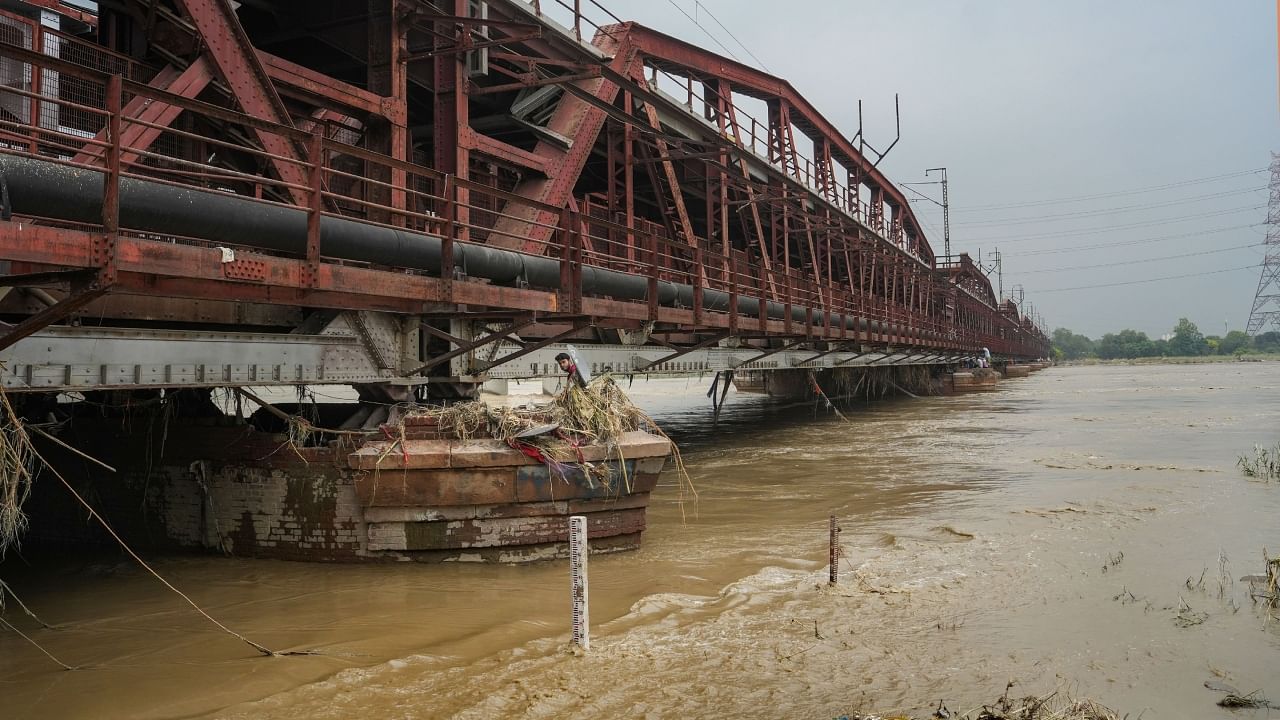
(578, 573)
(835, 552)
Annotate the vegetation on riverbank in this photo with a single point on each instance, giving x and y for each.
(1054, 706)
(1264, 464)
(1185, 343)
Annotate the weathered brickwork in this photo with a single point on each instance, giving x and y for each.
(220, 487)
(248, 496)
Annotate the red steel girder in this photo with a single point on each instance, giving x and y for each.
(320, 89)
(472, 140)
(581, 121)
(669, 173)
(709, 66)
(228, 46)
(81, 294)
(137, 136)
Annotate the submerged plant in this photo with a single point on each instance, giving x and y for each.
(1264, 465)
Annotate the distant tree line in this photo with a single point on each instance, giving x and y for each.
(1186, 341)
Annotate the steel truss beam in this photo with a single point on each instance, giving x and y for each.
(52, 314)
(238, 63)
(82, 358)
(465, 347)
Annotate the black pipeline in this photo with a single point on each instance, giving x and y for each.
(45, 189)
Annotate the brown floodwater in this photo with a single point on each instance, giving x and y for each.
(1083, 530)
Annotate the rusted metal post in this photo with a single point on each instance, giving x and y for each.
(449, 210)
(652, 290)
(733, 298)
(315, 186)
(578, 577)
(698, 279)
(105, 246)
(835, 552)
(577, 244)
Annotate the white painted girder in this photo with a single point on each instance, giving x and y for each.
(80, 358)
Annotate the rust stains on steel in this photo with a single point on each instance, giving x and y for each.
(481, 123)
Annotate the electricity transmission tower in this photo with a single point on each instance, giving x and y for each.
(1266, 302)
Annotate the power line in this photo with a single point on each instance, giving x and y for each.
(1126, 243)
(922, 195)
(1110, 211)
(1120, 193)
(1142, 260)
(735, 37)
(714, 39)
(1149, 280)
(1107, 228)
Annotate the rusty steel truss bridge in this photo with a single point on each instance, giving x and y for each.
(414, 194)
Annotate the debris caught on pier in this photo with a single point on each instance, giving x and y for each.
(554, 432)
(17, 468)
(878, 382)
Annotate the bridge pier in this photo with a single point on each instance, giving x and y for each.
(845, 383)
(191, 477)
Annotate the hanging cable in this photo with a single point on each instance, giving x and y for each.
(1149, 280)
(1121, 193)
(1129, 226)
(1109, 211)
(1135, 262)
(735, 37)
(1127, 243)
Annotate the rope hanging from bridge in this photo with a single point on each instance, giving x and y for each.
(817, 389)
(17, 479)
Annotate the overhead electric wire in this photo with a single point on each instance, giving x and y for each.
(1150, 280)
(1108, 228)
(735, 37)
(1108, 211)
(1126, 243)
(1119, 193)
(922, 195)
(714, 39)
(1134, 262)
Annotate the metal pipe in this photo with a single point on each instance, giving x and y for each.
(41, 188)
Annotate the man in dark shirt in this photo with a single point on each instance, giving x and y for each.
(566, 364)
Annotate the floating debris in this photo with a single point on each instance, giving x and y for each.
(1048, 707)
(1220, 686)
(1254, 699)
(1187, 616)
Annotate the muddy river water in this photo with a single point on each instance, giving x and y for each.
(1082, 530)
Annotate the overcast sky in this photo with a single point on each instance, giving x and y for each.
(1031, 102)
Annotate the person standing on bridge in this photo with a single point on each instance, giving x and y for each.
(571, 368)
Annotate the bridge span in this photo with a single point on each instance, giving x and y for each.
(413, 198)
(431, 194)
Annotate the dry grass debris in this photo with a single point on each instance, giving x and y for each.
(1252, 700)
(17, 470)
(1263, 465)
(555, 432)
(1266, 588)
(1053, 706)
